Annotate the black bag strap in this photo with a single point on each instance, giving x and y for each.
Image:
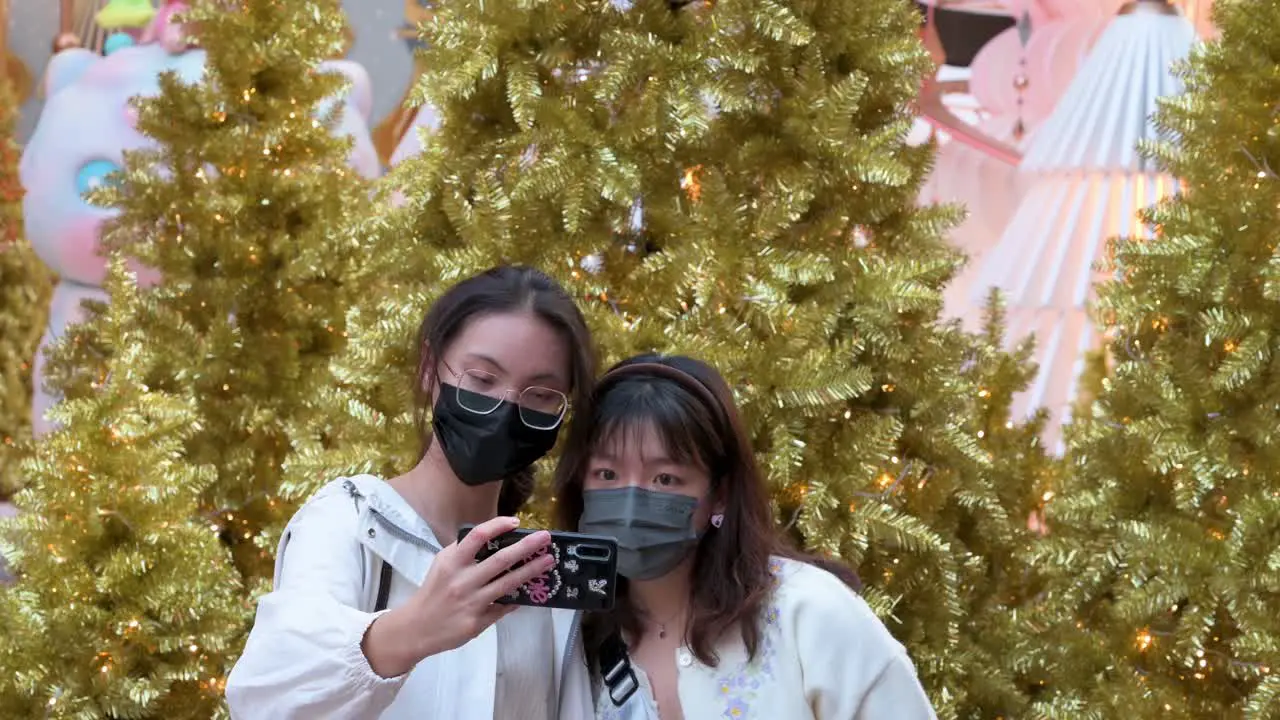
(616, 671)
(384, 587)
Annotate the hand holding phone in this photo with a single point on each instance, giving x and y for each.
(583, 574)
(457, 599)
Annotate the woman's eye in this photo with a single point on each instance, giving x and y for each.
(605, 474)
(666, 479)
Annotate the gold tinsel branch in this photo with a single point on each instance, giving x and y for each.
(1162, 538)
(25, 287)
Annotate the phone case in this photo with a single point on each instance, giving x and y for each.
(584, 576)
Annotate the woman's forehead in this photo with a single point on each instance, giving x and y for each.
(520, 345)
(642, 438)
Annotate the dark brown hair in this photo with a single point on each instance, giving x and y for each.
(698, 423)
(502, 289)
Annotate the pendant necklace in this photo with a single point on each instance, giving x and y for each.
(662, 626)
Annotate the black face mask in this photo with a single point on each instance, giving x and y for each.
(486, 448)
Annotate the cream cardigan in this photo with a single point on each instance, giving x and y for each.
(824, 655)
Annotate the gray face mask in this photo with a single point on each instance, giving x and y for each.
(654, 529)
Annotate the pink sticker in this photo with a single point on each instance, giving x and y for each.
(536, 588)
(538, 591)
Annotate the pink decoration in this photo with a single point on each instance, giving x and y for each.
(166, 31)
(1043, 12)
(993, 68)
(990, 189)
(1052, 55)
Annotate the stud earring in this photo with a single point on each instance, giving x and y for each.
(717, 519)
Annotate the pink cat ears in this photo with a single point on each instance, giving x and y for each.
(165, 30)
(159, 26)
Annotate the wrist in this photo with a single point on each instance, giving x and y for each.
(391, 644)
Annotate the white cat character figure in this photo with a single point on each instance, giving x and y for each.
(84, 130)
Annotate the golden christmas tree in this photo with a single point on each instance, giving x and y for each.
(728, 180)
(244, 207)
(25, 286)
(127, 603)
(1000, 584)
(1164, 540)
(251, 234)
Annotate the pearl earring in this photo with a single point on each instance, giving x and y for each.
(717, 519)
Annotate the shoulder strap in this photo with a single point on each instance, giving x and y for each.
(384, 587)
(616, 671)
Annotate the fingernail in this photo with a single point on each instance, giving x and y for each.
(513, 522)
(543, 536)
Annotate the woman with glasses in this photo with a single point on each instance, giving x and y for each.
(375, 612)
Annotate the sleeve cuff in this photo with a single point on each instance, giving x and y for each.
(357, 664)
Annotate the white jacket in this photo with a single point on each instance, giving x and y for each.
(823, 655)
(303, 660)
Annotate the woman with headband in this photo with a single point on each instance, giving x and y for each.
(716, 616)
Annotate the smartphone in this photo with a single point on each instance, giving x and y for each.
(584, 577)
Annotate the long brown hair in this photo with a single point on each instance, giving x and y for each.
(697, 420)
(502, 289)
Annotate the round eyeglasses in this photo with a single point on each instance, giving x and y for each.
(541, 408)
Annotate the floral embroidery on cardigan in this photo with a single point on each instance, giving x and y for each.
(741, 687)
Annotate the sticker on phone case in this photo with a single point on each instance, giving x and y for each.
(541, 589)
(597, 586)
(571, 566)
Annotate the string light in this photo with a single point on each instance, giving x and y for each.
(1144, 640)
(691, 183)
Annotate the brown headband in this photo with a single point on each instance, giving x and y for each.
(686, 380)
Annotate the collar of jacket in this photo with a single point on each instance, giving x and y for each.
(389, 529)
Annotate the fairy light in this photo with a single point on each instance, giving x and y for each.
(1144, 640)
(691, 183)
